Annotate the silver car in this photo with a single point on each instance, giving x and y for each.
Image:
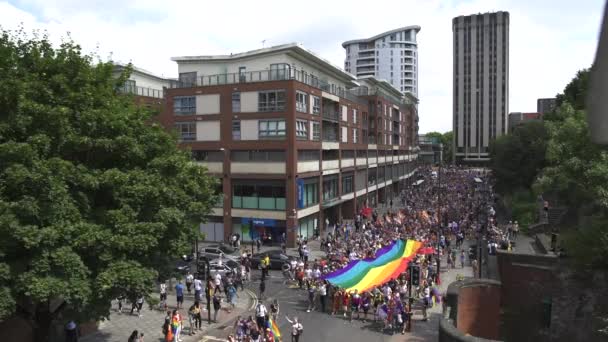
(224, 268)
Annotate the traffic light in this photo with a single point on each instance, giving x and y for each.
(415, 275)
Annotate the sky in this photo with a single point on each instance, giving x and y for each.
(549, 39)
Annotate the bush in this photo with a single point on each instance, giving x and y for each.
(524, 208)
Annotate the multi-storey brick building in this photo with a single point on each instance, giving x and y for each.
(294, 139)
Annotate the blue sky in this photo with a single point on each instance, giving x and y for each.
(549, 40)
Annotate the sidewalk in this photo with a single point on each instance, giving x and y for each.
(120, 326)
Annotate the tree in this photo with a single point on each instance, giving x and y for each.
(517, 158)
(95, 198)
(446, 140)
(575, 94)
(448, 148)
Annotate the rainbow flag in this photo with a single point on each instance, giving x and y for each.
(274, 328)
(389, 263)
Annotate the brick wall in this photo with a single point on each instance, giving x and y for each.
(472, 311)
(479, 310)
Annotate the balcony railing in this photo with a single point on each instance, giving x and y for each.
(330, 137)
(266, 76)
(331, 115)
(141, 91)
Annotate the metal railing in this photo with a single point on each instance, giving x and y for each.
(330, 137)
(331, 115)
(266, 76)
(141, 91)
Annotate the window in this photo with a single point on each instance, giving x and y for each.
(271, 128)
(316, 131)
(308, 155)
(129, 87)
(279, 71)
(209, 156)
(301, 102)
(271, 101)
(347, 184)
(355, 136)
(242, 74)
(257, 156)
(316, 105)
(186, 131)
(187, 79)
(236, 102)
(301, 129)
(236, 130)
(258, 196)
(311, 192)
(184, 105)
(330, 187)
(354, 116)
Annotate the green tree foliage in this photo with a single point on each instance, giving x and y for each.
(446, 140)
(94, 198)
(575, 92)
(518, 157)
(577, 168)
(448, 148)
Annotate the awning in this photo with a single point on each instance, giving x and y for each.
(477, 180)
(418, 182)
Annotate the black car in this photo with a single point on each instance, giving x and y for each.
(277, 259)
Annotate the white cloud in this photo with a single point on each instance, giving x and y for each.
(549, 40)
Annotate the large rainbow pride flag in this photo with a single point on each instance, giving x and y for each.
(389, 263)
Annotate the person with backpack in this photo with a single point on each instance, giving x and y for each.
(296, 329)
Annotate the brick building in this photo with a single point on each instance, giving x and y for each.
(294, 140)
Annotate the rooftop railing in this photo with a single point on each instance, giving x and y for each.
(141, 91)
(266, 76)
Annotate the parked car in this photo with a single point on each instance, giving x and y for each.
(214, 251)
(182, 266)
(277, 259)
(223, 268)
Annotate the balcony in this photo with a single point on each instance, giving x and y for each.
(330, 164)
(141, 91)
(347, 162)
(308, 166)
(331, 115)
(286, 74)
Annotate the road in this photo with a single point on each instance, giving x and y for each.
(323, 327)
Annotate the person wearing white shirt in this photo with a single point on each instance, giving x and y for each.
(198, 288)
(217, 279)
(296, 329)
(317, 273)
(308, 273)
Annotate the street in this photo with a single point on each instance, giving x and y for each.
(324, 327)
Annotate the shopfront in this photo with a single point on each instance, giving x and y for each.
(270, 231)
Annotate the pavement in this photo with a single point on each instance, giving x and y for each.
(120, 326)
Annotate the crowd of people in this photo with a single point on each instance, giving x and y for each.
(440, 210)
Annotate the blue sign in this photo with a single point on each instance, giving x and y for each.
(259, 222)
(300, 184)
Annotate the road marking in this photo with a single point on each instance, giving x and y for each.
(208, 338)
(254, 299)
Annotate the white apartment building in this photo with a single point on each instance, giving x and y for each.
(391, 56)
